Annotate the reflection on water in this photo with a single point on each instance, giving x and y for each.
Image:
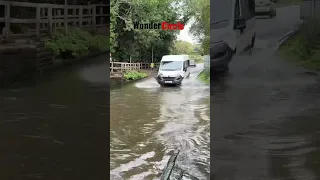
(265, 121)
(148, 121)
(52, 127)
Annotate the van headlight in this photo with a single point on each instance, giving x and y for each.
(179, 77)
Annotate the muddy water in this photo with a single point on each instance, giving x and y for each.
(52, 127)
(265, 121)
(148, 121)
(265, 113)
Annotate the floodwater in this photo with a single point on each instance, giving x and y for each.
(148, 122)
(265, 114)
(265, 121)
(53, 127)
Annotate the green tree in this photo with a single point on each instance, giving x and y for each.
(126, 41)
(182, 47)
(199, 10)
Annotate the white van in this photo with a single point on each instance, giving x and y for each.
(265, 7)
(232, 26)
(173, 69)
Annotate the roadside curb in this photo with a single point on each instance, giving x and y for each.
(199, 73)
(285, 37)
(288, 35)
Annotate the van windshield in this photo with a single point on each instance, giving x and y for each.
(220, 13)
(171, 65)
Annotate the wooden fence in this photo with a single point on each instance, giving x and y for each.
(124, 66)
(51, 17)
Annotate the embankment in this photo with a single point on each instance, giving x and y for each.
(21, 59)
(18, 63)
(303, 46)
(129, 77)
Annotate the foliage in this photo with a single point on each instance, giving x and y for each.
(134, 75)
(126, 42)
(304, 47)
(200, 28)
(182, 47)
(139, 44)
(77, 43)
(204, 76)
(197, 58)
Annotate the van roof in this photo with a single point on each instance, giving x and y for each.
(181, 57)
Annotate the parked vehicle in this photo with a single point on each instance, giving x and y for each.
(232, 30)
(265, 7)
(192, 63)
(173, 69)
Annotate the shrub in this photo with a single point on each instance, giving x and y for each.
(197, 58)
(77, 43)
(133, 75)
(305, 45)
(204, 76)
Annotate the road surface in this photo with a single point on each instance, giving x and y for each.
(265, 113)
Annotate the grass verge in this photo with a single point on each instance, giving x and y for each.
(204, 76)
(197, 58)
(134, 75)
(303, 48)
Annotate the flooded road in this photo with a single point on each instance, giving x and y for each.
(265, 114)
(148, 121)
(52, 127)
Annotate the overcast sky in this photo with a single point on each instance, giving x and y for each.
(185, 35)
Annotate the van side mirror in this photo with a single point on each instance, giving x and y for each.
(184, 69)
(240, 23)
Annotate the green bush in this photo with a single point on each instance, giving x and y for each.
(77, 43)
(204, 76)
(197, 58)
(133, 75)
(304, 47)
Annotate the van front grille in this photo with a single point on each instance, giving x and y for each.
(168, 78)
